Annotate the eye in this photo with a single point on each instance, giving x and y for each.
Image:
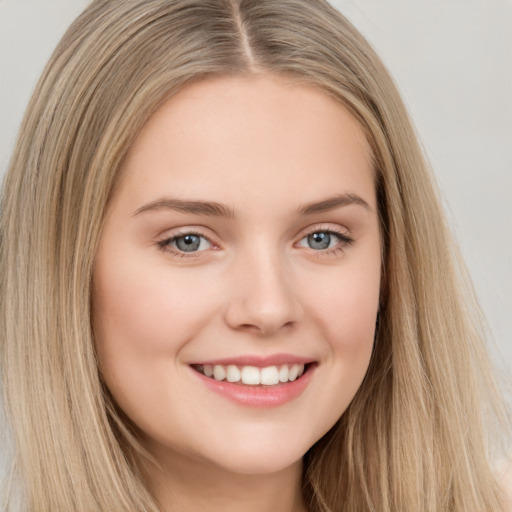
(320, 241)
(185, 243)
(323, 240)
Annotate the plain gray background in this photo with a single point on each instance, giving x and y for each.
(452, 60)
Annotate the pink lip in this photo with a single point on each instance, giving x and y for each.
(258, 361)
(258, 396)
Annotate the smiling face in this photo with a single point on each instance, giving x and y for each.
(241, 244)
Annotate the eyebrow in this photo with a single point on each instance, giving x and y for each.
(214, 209)
(332, 203)
(209, 208)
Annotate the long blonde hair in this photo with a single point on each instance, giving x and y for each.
(415, 437)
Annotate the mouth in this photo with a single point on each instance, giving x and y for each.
(248, 375)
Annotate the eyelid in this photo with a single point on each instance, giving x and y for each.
(164, 242)
(324, 227)
(344, 237)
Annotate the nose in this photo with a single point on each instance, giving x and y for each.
(262, 297)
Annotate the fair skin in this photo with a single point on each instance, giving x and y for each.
(243, 233)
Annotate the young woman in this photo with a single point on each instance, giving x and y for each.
(226, 279)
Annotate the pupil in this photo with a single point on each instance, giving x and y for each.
(188, 243)
(319, 240)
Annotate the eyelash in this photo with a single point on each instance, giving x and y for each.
(165, 245)
(344, 242)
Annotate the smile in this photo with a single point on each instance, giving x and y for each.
(257, 383)
(252, 375)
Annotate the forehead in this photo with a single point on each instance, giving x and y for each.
(250, 133)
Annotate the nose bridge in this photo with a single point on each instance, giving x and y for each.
(263, 296)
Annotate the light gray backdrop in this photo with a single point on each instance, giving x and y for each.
(452, 60)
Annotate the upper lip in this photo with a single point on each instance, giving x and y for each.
(257, 360)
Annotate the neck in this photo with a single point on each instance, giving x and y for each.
(183, 484)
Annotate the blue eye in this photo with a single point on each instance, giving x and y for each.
(323, 240)
(186, 243)
(319, 241)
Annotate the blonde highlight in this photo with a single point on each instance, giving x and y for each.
(406, 441)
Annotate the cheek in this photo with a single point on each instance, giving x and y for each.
(347, 308)
(148, 311)
(140, 323)
(127, 314)
(343, 309)
(346, 312)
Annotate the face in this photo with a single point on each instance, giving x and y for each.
(236, 285)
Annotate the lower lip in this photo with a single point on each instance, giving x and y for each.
(259, 396)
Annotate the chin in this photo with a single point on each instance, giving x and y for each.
(258, 454)
(258, 463)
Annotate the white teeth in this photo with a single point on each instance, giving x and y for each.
(294, 372)
(218, 372)
(232, 373)
(252, 375)
(270, 376)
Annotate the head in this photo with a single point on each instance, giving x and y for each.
(118, 64)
